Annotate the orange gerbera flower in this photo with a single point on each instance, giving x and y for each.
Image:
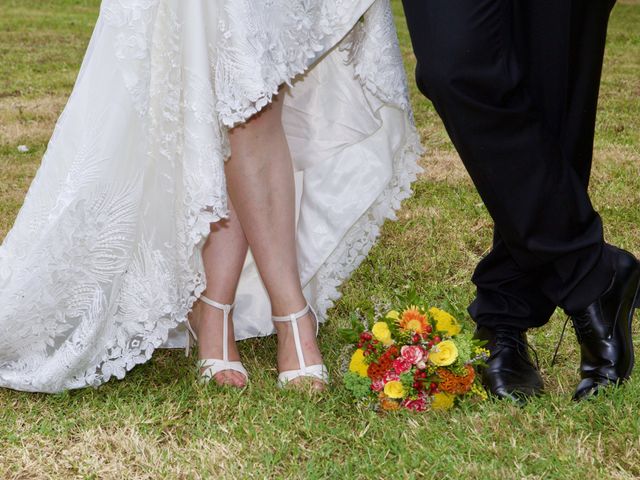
(456, 384)
(413, 320)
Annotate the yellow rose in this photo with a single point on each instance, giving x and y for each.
(445, 322)
(357, 364)
(382, 333)
(442, 401)
(444, 354)
(394, 389)
(393, 315)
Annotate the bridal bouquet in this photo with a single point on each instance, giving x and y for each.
(415, 358)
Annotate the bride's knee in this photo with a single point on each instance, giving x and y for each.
(259, 138)
(265, 123)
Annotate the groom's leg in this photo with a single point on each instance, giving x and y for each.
(603, 326)
(506, 294)
(588, 38)
(472, 66)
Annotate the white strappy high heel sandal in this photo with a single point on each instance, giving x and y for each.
(210, 367)
(318, 372)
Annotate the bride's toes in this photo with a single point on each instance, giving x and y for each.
(230, 378)
(307, 384)
(239, 380)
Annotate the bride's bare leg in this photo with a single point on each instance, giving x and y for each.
(261, 185)
(223, 254)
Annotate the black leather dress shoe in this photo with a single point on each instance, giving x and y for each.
(604, 330)
(510, 372)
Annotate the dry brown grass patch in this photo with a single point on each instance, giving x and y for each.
(32, 119)
(444, 166)
(115, 454)
(615, 156)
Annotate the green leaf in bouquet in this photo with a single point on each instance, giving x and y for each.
(465, 345)
(352, 334)
(407, 381)
(360, 387)
(394, 328)
(348, 335)
(408, 296)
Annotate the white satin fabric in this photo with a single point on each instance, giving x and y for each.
(103, 262)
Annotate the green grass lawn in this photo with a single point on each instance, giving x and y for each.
(158, 423)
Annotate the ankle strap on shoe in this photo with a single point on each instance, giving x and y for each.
(226, 308)
(298, 315)
(220, 306)
(293, 316)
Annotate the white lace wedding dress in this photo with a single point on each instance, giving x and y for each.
(103, 262)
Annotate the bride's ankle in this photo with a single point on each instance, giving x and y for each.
(288, 306)
(218, 297)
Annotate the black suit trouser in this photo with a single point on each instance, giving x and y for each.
(516, 84)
